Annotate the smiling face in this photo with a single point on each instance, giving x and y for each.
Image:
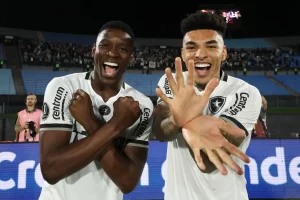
(112, 54)
(207, 49)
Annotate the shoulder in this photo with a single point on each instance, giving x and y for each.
(38, 110)
(240, 85)
(21, 111)
(67, 83)
(70, 78)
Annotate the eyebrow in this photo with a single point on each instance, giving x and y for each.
(207, 42)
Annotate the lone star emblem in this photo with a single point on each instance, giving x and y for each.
(216, 104)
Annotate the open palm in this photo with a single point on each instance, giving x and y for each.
(186, 104)
(204, 134)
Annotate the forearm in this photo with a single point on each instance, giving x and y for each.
(163, 126)
(169, 129)
(121, 169)
(18, 128)
(37, 129)
(73, 157)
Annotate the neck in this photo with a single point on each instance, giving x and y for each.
(105, 90)
(201, 87)
(30, 108)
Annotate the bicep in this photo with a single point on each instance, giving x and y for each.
(52, 141)
(138, 155)
(244, 110)
(18, 122)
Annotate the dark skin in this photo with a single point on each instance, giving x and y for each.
(60, 159)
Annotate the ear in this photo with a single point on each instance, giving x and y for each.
(183, 54)
(131, 58)
(93, 50)
(224, 53)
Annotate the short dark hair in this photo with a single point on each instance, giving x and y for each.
(203, 20)
(118, 25)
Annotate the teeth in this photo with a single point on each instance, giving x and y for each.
(111, 64)
(202, 65)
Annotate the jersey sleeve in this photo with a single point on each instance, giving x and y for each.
(163, 84)
(244, 109)
(56, 114)
(139, 135)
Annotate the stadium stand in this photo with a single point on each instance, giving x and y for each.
(6, 82)
(290, 81)
(255, 54)
(35, 81)
(247, 43)
(264, 85)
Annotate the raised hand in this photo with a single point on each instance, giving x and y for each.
(81, 108)
(126, 112)
(205, 133)
(186, 104)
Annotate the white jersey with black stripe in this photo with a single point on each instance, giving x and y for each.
(91, 182)
(235, 101)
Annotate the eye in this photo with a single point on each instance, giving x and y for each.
(124, 49)
(190, 47)
(101, 45)
(211, 46)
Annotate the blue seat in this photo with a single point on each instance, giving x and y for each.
(292, 81)
(6, 82)
(264, 85)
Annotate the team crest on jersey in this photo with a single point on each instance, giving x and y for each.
(104, 110)
(216, 104)
(45, 109)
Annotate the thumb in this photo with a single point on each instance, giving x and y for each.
(210, 87)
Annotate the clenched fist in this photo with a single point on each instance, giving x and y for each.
(126, 112)
(81, 108)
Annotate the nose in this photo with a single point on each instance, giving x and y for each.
(201, 53)
(113, 52)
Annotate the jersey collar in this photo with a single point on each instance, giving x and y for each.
(223, 76)
(89, 75)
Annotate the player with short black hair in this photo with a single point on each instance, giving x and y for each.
(196, 108)
(202, 20)
(95, 127)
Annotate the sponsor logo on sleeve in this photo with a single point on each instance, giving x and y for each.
(216, 104)
(167, 88)
(144, 121)
(59, 103)
(239, 104)
(45, 110)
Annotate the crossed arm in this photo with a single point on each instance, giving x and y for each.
(185, 112)
(60, 159)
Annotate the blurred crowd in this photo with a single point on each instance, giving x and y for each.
(149, 58)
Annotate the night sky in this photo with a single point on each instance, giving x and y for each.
(154, 19)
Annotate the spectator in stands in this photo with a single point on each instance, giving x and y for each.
(28, 121)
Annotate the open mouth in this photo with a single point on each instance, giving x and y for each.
(110, 68)
(202, 69)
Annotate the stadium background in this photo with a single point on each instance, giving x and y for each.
(264, 41)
